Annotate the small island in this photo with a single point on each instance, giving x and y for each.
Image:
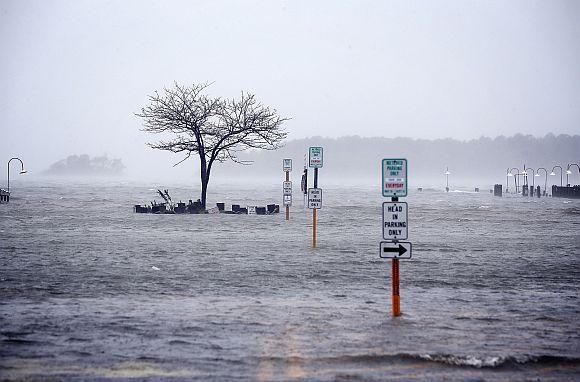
(84, 165)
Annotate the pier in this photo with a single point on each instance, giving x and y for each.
(531, 190)
(572, 192)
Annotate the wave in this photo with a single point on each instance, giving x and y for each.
(499, 361)
(571, 211)
(446, 359)
(462, 192)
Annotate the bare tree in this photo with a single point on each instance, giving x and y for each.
(213, 128)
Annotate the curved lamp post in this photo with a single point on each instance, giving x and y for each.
(526, 173)
(510, 173)
(546, 176)
(568, 172)
(554, 174)
(22, 171)
(447, 173)
(507, 180)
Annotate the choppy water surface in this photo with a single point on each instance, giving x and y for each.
(91, 291)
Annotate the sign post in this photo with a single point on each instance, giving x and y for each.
(304, 182)
(395, 222)
(287, 186)
(315, 159)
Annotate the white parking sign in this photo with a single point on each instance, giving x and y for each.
(394, 177)
(286, 164)
(395, 217)
(315, 157)
(315, 198)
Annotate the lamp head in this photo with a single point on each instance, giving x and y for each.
(23, 172)
(447, 173)
(537, 175)
(568, 172)
(510, 174)
(552, 173)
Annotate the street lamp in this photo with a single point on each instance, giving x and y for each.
(554, 174)
(526, 178)
(568, 172)
(22, 171)
(447, 173)
(546, 177)
(516, 177)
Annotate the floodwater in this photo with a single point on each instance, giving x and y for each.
(91, 291)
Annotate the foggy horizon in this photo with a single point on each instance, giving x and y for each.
(475, 163)
(73, 74)
(417, 234)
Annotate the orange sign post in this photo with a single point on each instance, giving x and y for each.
(395, 223)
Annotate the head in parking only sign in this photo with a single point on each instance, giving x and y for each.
(314, 198)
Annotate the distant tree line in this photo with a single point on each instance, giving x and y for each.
(355, 157)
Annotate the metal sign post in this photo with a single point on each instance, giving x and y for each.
(287, 186)
(304, 182)
(315, 159)
(395, 222)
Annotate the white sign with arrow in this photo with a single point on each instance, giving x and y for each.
(395, 250)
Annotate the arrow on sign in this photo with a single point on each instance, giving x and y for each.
(401, 249)
(397, 250)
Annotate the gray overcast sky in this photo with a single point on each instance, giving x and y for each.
(72, 73)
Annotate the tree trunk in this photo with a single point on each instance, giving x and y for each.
(203, 191)
(204, 180)
(206, 171)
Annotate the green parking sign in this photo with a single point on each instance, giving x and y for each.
(315, 157)
(394, 177)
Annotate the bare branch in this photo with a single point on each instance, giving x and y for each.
(183, 160)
